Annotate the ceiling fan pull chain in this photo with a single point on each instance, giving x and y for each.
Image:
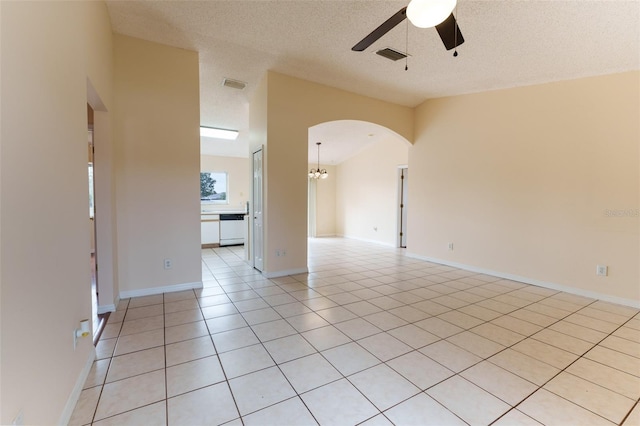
(406, 58)
(455, 35)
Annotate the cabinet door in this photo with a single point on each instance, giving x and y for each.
(210, 232)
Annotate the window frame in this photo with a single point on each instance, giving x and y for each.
(218, 176)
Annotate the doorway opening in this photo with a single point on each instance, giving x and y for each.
(359, 199)
(93, 262)
(257, 242)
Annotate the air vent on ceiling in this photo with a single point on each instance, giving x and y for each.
(234, 84)
(392, 54)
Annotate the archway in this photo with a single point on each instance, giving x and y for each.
(282, 112)
(359, 199)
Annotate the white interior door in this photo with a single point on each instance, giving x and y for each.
(258, 236)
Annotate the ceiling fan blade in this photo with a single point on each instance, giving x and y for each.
(386, 26)
(450, 33)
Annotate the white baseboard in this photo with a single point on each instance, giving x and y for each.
(77, 389)
(103, 309)
(365, 240)
(159, 290)
(278, 274)
(553, 286)
(326, 235)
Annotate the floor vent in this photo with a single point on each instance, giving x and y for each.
(392, 54)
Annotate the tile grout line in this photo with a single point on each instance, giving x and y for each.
(276, 364)
(166, 368)
(215, 349)
(400, 291)
(488, 321)
(526, 337)
(569, 365)
(624, 419)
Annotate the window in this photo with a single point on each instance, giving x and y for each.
(213, 188)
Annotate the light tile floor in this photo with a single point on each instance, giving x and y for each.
(369, 336)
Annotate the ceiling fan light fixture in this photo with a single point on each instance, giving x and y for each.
(429, 13)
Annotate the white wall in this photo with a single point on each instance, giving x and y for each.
(367, 192)
(238, 179)
(49, 49)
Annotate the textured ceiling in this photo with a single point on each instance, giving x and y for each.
(508, 44)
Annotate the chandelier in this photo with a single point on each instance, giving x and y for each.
(317, 173)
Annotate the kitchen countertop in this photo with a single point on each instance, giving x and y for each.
(219, 212)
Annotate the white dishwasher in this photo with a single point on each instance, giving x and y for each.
(231, 229)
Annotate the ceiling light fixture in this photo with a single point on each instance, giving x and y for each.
(212, 132)
(429, 13)
(317, 173)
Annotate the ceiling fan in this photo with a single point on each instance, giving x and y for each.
(422, 14)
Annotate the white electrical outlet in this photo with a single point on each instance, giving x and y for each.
(450, 246)
(168, 264)
(602, 270)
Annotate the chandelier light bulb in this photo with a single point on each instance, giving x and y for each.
(429, 13)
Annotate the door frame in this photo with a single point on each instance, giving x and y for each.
(106, 271)
(312, 213)
(401, 229)
(257, 223)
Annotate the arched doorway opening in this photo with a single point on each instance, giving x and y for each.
(359, 199)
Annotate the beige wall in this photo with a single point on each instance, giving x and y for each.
(157, 155)
(292, 106)
(238, 179)
(325, 202)
(49, 50)
(520, 180)
(367, 192)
